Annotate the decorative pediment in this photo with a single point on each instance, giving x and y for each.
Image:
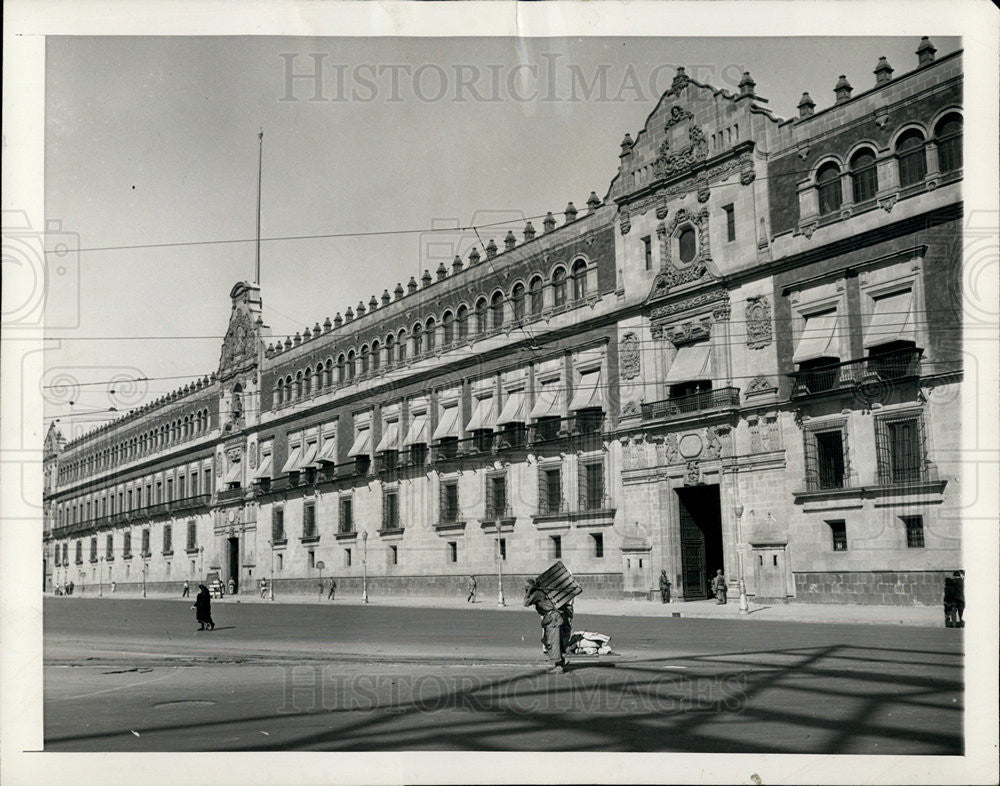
(669, 162)
(239, 347)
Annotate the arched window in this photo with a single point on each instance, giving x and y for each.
(328, 376)
(463, 323)
(352, 368)
(687, 245)
(579, 279)
(307, 382)
(390, 348)
(496, 309)
(535, 291)
(949, 143)
(279, 393)
(341, 369)
(298, 386)
(364, 359)
(319, 378)
(401, 346)
(517, 301)
(376, 355)
(559, 286)
(447, 328)
(912, 160)
(418, 339)
(828, 184)
(864, 175)
(289, 389)
(481, 315)
(429, 334)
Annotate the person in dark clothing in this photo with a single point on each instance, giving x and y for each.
(555, 628)
(954, 600)
(203, 608)
(472, 590)
(719, 588)
(333, 589)
(664, 587)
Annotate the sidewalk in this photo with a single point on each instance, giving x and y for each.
(919, 616)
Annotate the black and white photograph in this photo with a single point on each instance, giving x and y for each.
(493, 392)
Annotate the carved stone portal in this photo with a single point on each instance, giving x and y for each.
(759, 332)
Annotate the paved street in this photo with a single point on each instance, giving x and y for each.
(135, 675)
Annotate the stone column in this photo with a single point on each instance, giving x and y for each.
(720, 343)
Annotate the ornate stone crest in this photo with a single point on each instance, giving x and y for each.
(667, 163)
(692, 476)
(760, 384)
(252, 459)
(888, 203)
(624, 221)
(628, 354)
(240, 344)
(758, 315)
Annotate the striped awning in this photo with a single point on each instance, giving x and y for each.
(417, 435)
(692, 363)
(514, 409)
(448, 424)
(235, 473)
(390, 437)
(548, 404)
(819, 338)
(308, 456)
(264, 468)
(483, 416)
(361, 443)
(588, 394)
(892, 320)
(328, 453)
(292, 463)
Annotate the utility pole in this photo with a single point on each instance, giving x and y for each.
(500, 598)
(260, 161)
(364, 566)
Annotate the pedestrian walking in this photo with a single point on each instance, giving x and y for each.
(114, 585)
(69, 590)
(719, 588)
(333, 589)
(203, 608)
(954, 600)
(664, 587)
(186, 592)
(472, 590)
(554, 625)
(232, 586)
(263, 588)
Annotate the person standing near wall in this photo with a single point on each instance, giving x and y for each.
(664, 587)
(472, 590)
(333, 589)
(186, 591)
(719, 587)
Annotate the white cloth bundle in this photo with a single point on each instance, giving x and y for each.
(589, 643)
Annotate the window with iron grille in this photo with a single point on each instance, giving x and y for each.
(449, 501)
(550, 499)
(109, 547)
(145, 543)
(547, 429)
(496, 496)
(346, 515)
(418, 454)
(912, 159)
(452, 551)
(900, 449)
(503, 549)
(914, 531)
(192, 536)
(949, 143)
(309, 520)
(93, 549)
(838, 531)
(556, 546)
(168, 539)
(591, 485)
(647, 249)
(393, 555)
(79, 552)
(828, 185)
(598, 541)
(825, 460)
(278, 525)
(730, 211)
(864, 175)
(127, 544)
(390, 509)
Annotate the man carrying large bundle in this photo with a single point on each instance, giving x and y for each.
(552, 596)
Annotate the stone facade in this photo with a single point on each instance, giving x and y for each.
(747, 358)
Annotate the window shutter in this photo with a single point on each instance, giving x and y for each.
(490, 502)
(811, 461)
(922, 453)
(581, 484)
(443, 511)
(543, 491)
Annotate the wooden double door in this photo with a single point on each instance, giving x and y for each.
(700, 522)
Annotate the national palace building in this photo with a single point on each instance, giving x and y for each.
(746, 356)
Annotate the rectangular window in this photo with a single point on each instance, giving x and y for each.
(730, 211)
(145, 543)
(109, 548)
(550, 490)
(79, 552)
(598, 538)
(180, 487)
(838, 531)
(346, 515)
(127, 544)
(347, 558)
(309, 520)
(279, 561)
(452, 551)
(159, 492)
(192, 536)
(170, 489)
(556, 546)
(914, 531)
(93, 549)
(449, 501)
(393, 555)
(647, 244)
(503, 549)
(900, 451)
(496, 496)
(207, 485)
(278, 525)
(825, 465)
(311, 559)
(390, 510)
(168, 539)
(592, 486)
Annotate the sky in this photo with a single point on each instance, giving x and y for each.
(151, 151)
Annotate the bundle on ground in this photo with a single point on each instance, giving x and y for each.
(589, 643)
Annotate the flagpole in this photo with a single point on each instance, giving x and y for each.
(260, 159)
